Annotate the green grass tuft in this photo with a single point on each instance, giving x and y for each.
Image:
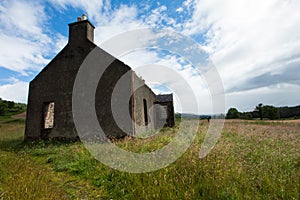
(250, 161)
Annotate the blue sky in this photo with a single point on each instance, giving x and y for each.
(253, 44)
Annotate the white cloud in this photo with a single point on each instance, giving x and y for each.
(188, 3)
(140, 57)
(24, 43)
(151, 66)
(16, 91)
(179, 10)
(107, 20)
(159, 18)
(93, 8)
(248, 38)
(24, 19)
(20, 55)
(277, 95)
(61, 42)
(120, 20)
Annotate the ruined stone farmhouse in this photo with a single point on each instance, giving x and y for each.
(49, 113)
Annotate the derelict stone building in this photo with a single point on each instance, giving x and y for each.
(49, 112)
(165, 112)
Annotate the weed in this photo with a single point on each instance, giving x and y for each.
(250, 161)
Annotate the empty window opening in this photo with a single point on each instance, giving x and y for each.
(48, 115)
(145, 112)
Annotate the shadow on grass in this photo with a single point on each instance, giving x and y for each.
(18, 144)
(9, 120)
(10, 145)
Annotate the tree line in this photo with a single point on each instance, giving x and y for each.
(265, 112)
(11, 108)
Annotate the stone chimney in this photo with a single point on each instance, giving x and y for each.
(80, 31)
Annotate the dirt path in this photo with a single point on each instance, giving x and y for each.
(20, 116)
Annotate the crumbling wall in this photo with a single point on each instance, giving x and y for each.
(144, 115)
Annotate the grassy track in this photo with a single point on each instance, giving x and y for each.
(252, 160)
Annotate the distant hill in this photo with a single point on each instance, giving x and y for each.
(9, 108)
(284, 113)
(289, 112)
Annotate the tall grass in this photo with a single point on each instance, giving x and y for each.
(20, 178)
(250, 161)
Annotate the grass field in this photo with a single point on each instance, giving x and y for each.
(252, 160)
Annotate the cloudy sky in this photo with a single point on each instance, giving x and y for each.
(254, 44)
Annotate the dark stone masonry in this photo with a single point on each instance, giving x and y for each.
(49, 113)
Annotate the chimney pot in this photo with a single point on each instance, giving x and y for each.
(84, 17)
(80, 31)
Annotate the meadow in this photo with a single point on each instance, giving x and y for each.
(252, 160)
